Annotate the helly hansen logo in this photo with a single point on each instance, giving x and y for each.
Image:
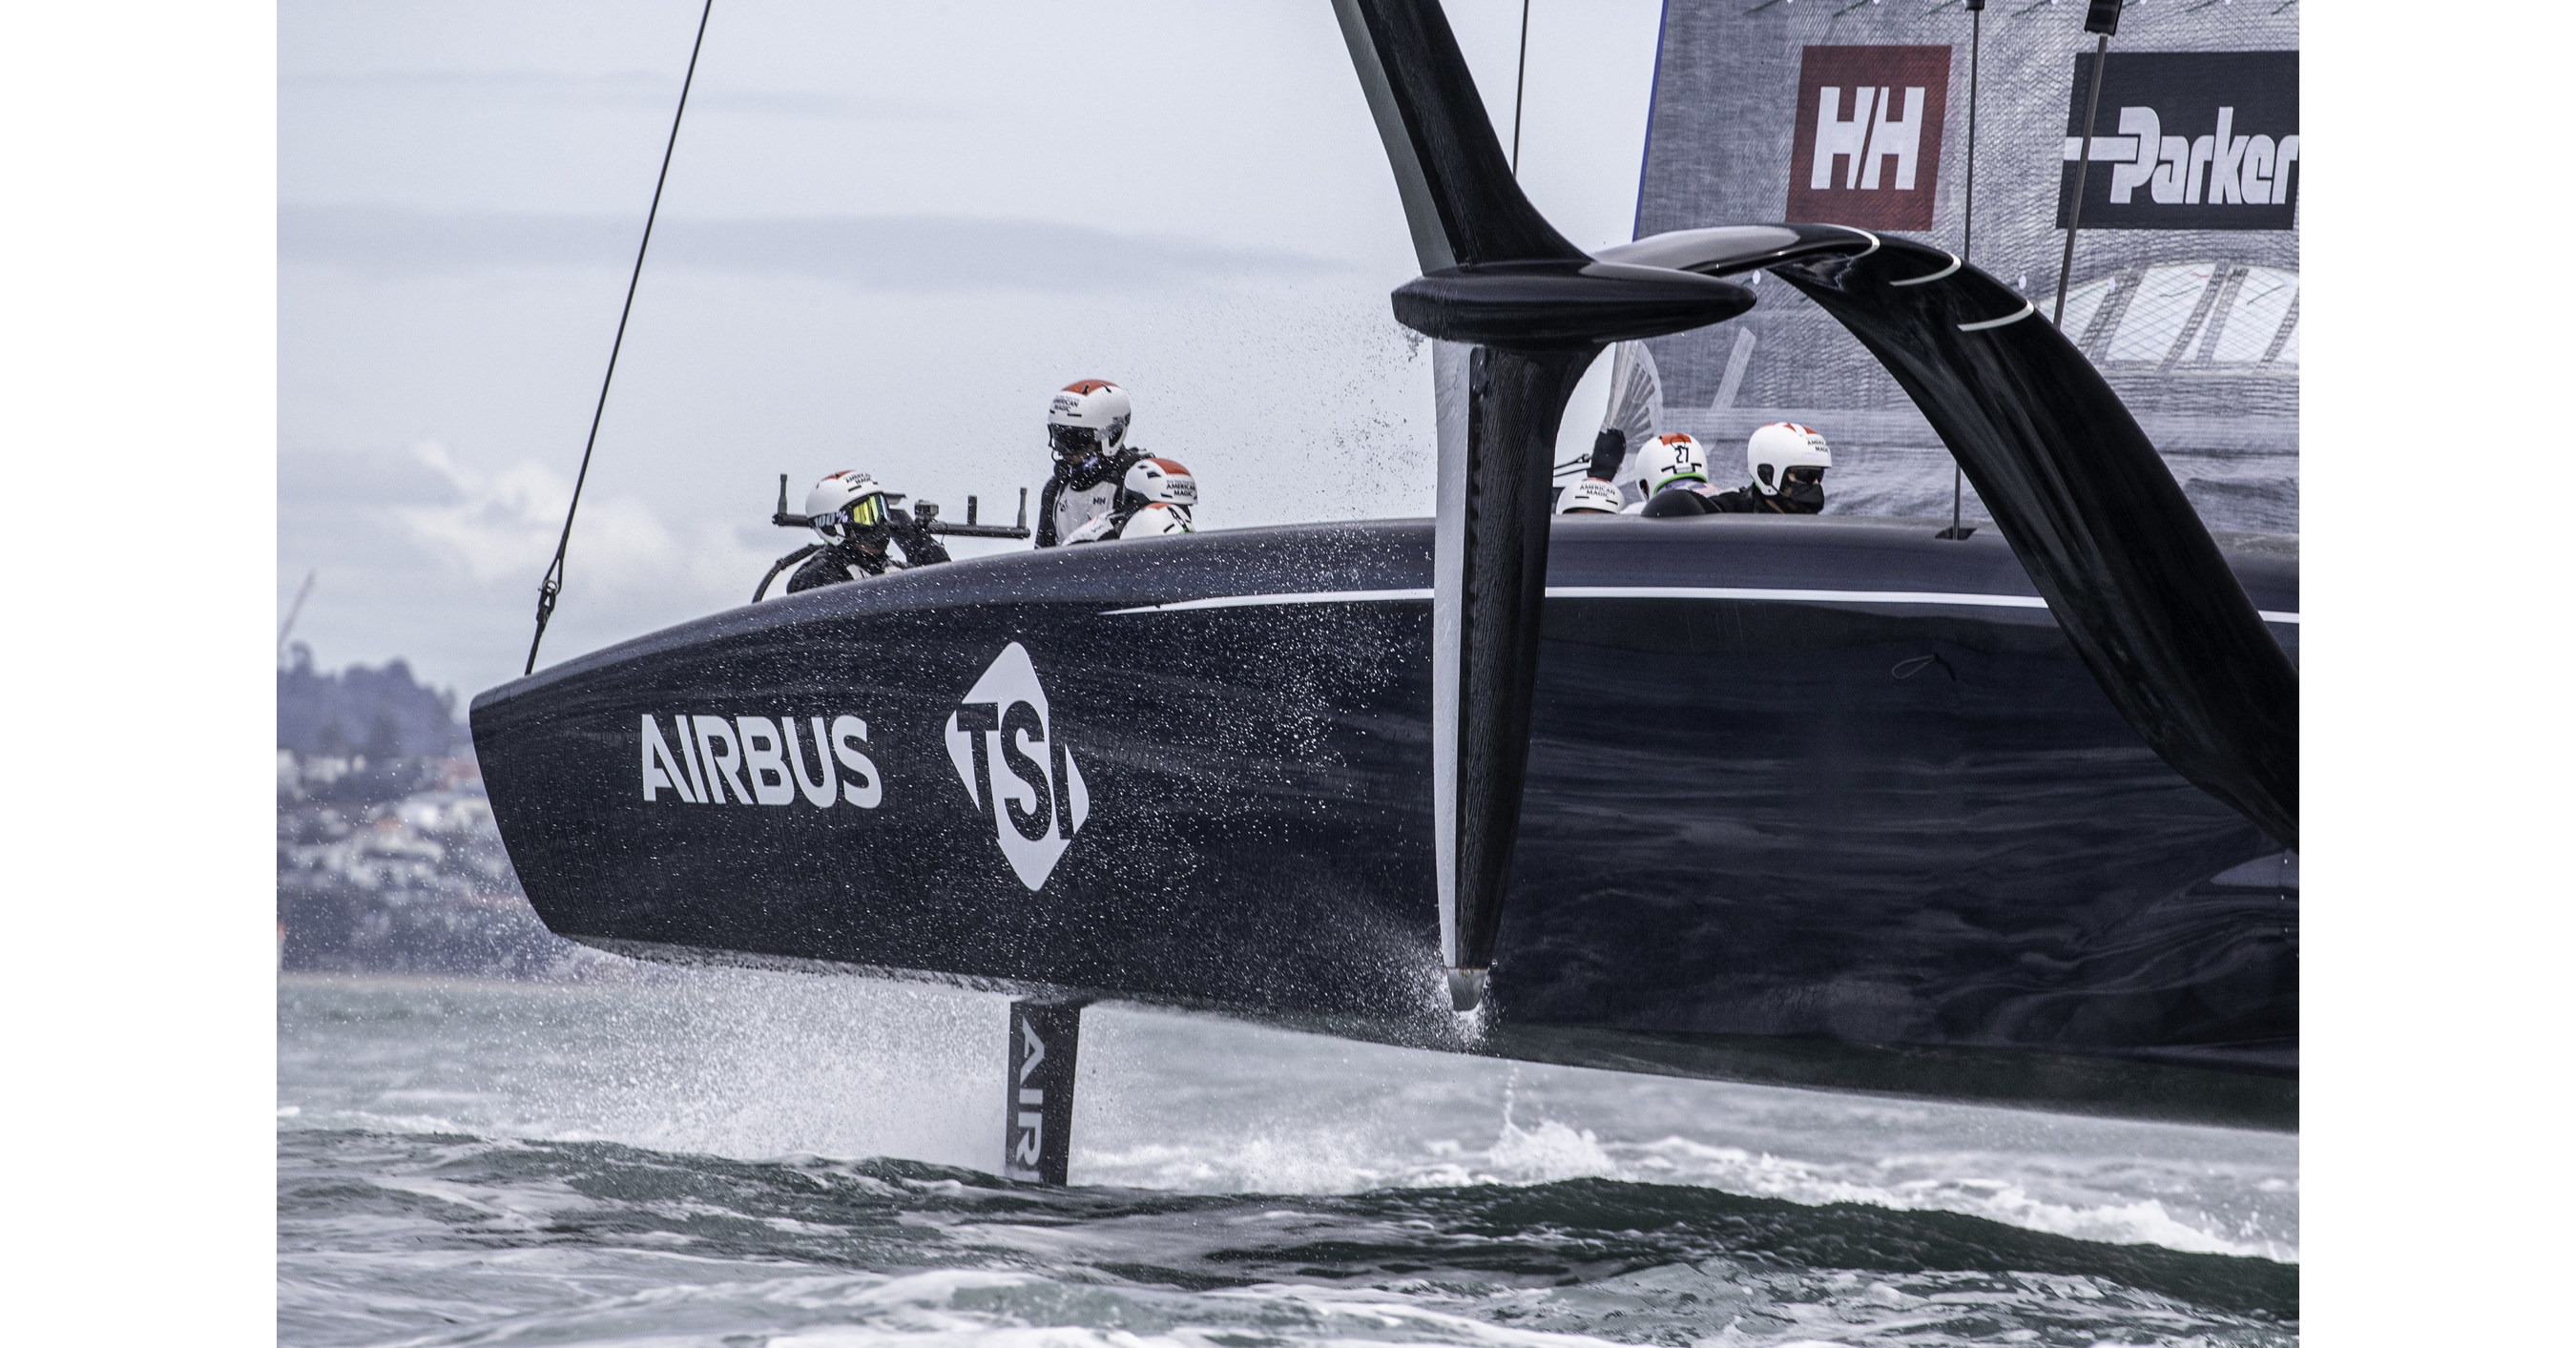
(1002, 741)
(1867, 150)
(753, 760)
(2187, 140)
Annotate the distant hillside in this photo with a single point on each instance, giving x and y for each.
(387, 857)
(380, 713)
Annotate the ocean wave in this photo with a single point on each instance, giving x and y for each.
(769, 1066)
(438, 1238)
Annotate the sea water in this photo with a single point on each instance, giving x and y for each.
(727, 1157)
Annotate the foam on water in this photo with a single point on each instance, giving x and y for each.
(647, 1162)
(449, 1239)
(756, 1065)
(1322, 1116)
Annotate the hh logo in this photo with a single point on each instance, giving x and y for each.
(1023, 778)
(1868, 145)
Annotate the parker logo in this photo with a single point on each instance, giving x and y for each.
(748, 760)
(1002, 740)
(2187, 140)
(1867, 150)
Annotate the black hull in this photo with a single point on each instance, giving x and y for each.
(1820, 827)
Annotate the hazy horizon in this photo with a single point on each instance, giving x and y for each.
(884, 239)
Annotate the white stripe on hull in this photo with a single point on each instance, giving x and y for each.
(1778, 596)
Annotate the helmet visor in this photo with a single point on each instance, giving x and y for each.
(1808, 476)
(1072, 442)
(866, 511)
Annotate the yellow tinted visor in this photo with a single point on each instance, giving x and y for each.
(868, 510)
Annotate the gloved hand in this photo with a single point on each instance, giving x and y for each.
(1609, 450)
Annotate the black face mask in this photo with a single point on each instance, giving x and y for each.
(1073, 444)
(1802, 490)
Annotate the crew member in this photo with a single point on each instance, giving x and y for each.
(1787, 463)
(856, 519)
(1673, 470)
(1155, 498)
(1591, 496)
(1087, 434)
(1596, 493)
(1160, 498)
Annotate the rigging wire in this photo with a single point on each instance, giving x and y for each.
(287, 628)
(1968, 217)
(1520, 81)
(553, 584)
(2083, 161)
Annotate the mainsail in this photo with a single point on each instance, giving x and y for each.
(2185, 287)
(1519, 313)
(1636, 406)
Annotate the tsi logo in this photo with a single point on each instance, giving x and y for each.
(749, 760)
(1023, 779)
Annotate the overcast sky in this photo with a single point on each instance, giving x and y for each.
(889, 231)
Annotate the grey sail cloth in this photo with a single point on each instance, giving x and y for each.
(2184, 294)
(2127, 568)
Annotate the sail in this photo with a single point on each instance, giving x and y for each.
(1519, 314)
(2185, 288)
(1636, 406)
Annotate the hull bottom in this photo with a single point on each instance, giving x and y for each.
(2159, 1087)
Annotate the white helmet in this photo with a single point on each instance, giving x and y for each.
(1155, 518)
(1591, 496)
(848, 506)
(1669, 459)
(1162, 480)
(1086, 417)
(1783, 445)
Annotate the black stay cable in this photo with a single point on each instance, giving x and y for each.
(555, 572)
(1976, 47)
(2083, 158)
(1520, 81)
(1968, 216)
